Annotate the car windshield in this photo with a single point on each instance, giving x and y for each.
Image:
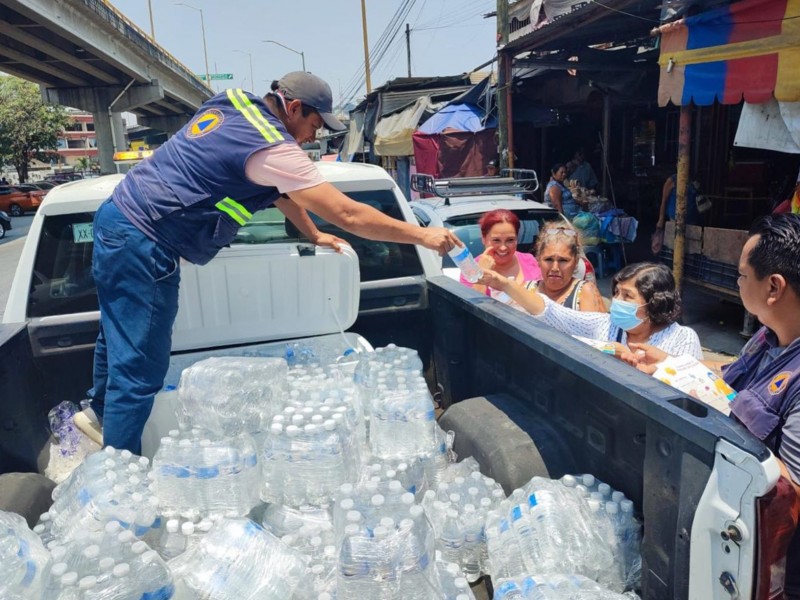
(467, 229)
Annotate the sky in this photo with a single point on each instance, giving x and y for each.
(448, 37)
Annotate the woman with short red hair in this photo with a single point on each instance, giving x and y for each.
(499, 231)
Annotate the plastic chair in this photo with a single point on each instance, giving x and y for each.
(607, 258)
(597, 261)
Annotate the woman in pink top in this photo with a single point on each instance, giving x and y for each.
(499, 230)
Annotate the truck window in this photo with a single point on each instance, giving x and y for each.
(377, 260)
(62, 280)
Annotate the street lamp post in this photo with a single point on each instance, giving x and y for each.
(250, 57)
(152, 26)
(302, 56)
(203, 30)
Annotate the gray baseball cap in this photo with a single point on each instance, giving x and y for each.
(311, 91)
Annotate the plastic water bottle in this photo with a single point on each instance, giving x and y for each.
(452, 537)
(464, 260)
(471, 560)
(509, 590)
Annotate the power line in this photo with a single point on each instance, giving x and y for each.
(355, 83)
(380, 49)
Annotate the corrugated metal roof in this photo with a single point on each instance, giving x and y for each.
(478, 76)
(394, 101)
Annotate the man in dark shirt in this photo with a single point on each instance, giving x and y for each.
(766, 376)
(767, 373)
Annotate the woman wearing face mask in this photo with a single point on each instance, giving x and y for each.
(644, 309)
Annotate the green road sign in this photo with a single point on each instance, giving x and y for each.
(216, 76)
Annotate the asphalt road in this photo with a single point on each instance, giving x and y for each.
(10, 250)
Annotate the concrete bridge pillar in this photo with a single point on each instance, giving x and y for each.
(109, 132)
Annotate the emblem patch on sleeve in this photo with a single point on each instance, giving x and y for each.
(205, 123)
(779, 382)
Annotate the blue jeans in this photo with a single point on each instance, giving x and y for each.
(137, 286)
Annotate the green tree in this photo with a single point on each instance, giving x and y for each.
(83, 163)
(29, 127)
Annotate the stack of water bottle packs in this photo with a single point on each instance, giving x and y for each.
(300, 479)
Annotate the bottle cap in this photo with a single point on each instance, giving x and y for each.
(70, 578)
(59, 569)
(353, 516)
(106, 563)
(380, 532)
(377, 500)
(139, 547)
(187, 528)
(112, 527)
(87, 582)
(92, 551)
(126, 536)
(121, 570)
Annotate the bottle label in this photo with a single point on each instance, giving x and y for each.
(462, 255)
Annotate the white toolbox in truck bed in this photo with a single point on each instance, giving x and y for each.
(233, 307)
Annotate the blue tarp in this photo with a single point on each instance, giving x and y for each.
(466, 112)
(459, 117)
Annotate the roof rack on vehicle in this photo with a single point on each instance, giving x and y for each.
(510, 181)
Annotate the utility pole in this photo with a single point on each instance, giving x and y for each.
(681, 187)
(408, 48)
(503, 83)
(152, 27)
(366, 44)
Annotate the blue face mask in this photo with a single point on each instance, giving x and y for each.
(623, 314)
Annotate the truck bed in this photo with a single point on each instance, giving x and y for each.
(586, 412)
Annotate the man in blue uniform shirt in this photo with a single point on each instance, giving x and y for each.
(237, 155)
(767, 373)
(766, 376)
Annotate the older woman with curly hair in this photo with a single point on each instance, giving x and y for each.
(644, 309)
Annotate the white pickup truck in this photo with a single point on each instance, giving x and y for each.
(522, 398)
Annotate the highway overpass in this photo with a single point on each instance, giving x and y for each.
(87, 55)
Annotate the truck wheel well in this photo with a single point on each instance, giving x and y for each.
(484, 430)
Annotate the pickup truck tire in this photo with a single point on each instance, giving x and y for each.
(484, 429)
(27, 494)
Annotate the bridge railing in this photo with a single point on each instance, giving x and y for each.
(137, 36)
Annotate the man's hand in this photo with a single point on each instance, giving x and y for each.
(660, 224)
(642, 356)
(440, 239)
(330, 241)
(647, 354)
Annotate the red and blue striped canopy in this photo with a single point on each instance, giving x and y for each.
(747, 50)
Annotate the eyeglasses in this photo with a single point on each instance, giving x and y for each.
(556, 230)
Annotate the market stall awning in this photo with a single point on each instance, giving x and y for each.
(747, 50)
